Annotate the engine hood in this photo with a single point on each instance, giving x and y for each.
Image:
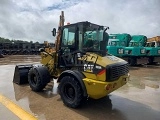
(106, 60)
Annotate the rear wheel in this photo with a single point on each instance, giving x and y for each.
(132, 61)
(38, 78)
(151, 60)
(70, 92)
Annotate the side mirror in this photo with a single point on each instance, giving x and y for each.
(54, 32)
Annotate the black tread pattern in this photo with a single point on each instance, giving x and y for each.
(132, 61)
(151, 60)
(40, 83)
(78, 92)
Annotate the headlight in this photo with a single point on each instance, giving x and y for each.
(120, 51)
(158, 51)
(142, 51)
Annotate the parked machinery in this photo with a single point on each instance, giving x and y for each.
(153, 49)
(126, 47)
(149, 52)
(79, 62)
(136, 51)
(117, 43)
(1, 54)
(21, 48)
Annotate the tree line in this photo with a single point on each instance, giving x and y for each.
(6, 40)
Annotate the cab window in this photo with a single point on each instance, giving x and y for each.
(68, 38)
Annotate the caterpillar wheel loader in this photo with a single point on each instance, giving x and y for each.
(79, 62)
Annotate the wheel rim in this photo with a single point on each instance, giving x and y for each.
(69, 92)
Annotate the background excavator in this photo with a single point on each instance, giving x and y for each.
(81, 70)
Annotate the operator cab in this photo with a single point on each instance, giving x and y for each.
(79, 38)
(84, 36)
(135, 44)
(113, 42)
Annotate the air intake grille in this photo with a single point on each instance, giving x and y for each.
(116, 70)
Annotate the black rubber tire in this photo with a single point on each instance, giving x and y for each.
(37, 80)
(132, 61)
(151, 60)
(70, 92)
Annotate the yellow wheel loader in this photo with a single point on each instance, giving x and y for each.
(79, 62)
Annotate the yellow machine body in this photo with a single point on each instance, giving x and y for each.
(79, 62)
(95, 84)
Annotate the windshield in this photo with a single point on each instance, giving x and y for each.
(134, 44)
(140, 44)
(93, 35)
(114, 43)
(123, 43)
(85, 37)
(158, 44)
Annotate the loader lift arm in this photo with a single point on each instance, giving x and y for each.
(61, 24)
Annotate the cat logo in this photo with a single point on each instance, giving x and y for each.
(88, 68)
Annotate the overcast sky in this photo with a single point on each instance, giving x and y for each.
(33, 20)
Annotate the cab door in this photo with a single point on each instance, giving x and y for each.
(68, 46)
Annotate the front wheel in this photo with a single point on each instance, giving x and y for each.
(70, 92)
(38, 77)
